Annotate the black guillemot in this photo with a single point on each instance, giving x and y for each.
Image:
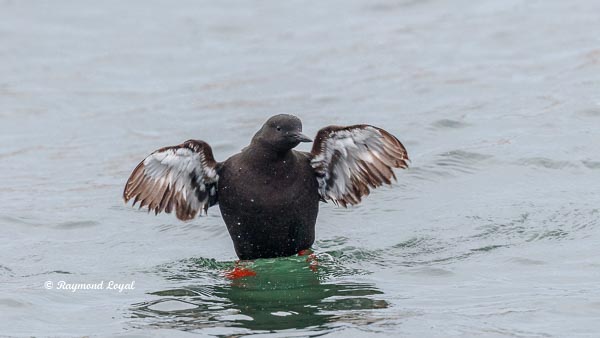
(268, 193)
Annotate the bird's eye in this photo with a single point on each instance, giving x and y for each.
(278, 128)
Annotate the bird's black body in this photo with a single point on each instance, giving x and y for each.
(269, 203)
(268, 193)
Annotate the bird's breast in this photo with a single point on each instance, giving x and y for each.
(266, 190)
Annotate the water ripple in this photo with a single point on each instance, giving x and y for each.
(449, 124)
(543, 162)
(449, 164)
(286, 293)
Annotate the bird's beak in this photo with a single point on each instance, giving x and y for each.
(298, 136)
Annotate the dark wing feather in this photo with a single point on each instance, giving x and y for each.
(181, 178)
(350, 160)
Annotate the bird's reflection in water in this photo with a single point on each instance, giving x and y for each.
(285, 294)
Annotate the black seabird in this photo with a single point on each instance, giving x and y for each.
(269, 193)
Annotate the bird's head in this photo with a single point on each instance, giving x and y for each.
(281, 132)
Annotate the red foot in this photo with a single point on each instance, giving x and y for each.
(239, 272)
(304, 252)
(311, 259)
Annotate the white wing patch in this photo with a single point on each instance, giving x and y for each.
(181, 178)
(350, 160)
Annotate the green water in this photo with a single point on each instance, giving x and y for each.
(286, 293)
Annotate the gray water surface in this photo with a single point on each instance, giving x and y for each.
(493, 232)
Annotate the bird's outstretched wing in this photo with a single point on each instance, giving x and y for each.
(350, 160)
(181, 178)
